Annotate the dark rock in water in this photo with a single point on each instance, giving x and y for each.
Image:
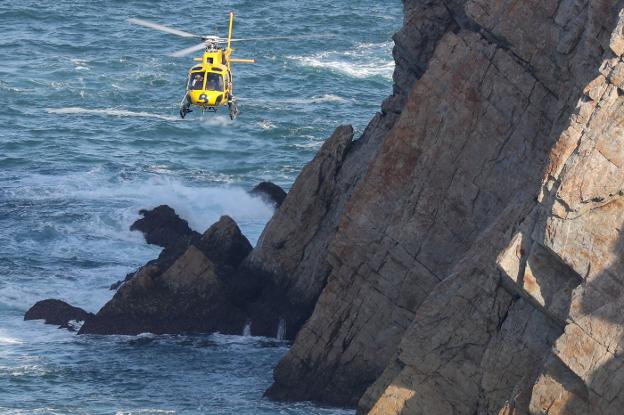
(224, 243)
(269, 192)
(189, 297)
(184, 293)
(56, 312)
(163, 227)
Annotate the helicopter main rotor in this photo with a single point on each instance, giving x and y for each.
(208, 42)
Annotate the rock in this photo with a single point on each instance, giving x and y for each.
(56, 312)
(189, 297)
(451, 277)
(117, 284)
(224, 243)
(464, 255)
(163, 227)
(185, 293)
(270, 193)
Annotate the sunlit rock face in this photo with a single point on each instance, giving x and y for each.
(475, 262)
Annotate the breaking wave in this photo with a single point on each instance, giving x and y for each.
(110, 111)
(317, 100)
(366, 60)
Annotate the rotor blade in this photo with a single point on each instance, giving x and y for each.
(281, 37)
(162, 28)
(188, 50)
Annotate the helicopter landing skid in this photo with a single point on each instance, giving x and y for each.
(185, 106)
(233, 109)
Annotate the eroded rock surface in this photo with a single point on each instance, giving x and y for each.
(464, 255)
(163, 227)
(188, 296)
(474, 266)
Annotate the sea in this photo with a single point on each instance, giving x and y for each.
(90, 134)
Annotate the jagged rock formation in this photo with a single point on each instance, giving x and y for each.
(187, 294)
(471, 263)
(162, 226)
(56, 312)
(269, 192)
(464, 255)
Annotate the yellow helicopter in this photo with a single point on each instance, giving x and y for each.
(210, 83)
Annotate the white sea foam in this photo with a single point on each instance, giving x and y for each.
(213, 120)
(7, 340)
(6, 87)
(364, 61)
(144, 411)
(354, 69)
(35, 411)
(23, 370)
(317, 100)
(201, 206)
(110, 111)
(266, 125)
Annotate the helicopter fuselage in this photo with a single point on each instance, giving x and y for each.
(209, 84)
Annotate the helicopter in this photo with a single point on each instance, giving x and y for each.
(209, 84)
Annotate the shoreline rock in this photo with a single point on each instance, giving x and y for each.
(270, 193)
(56, 312)
(464, 255)
(187, 296)
(163, 227)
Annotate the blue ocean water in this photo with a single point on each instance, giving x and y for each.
(89, 134)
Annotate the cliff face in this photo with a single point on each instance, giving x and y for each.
(469, 254)
(464, 256)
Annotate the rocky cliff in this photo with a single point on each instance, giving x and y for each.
(463, 256)
(469, 259)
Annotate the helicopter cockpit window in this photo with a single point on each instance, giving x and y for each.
(196, 80)
(214, 82)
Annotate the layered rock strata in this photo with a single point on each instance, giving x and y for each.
(474, 267)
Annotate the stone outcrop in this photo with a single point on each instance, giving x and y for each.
(188, 296)
(269, 192)
(463, 256)
(289, 267)
(472, 264)
(163, 227)
(56, 312)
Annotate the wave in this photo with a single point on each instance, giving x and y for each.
(366, 60)
(8, 341)
(353, 69)
(23, 370)
(317, 100)
(213, 120)
(110, 111)
(266, 125)
(201, 206)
